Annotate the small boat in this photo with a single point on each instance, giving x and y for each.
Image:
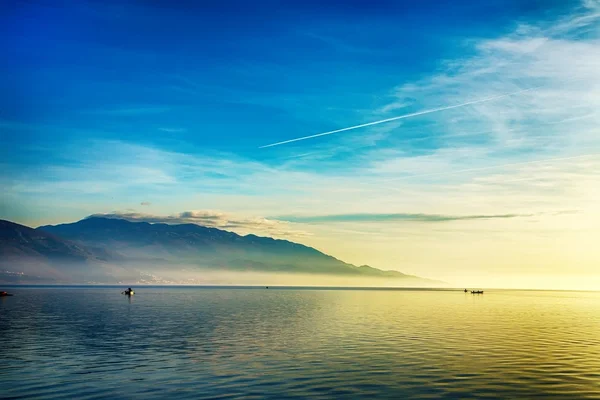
(5, 294)
(129, 292)
(476, 291)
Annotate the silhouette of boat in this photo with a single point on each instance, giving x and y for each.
(4, 294)
(477, 291)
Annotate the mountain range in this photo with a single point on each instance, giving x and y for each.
(109, 250)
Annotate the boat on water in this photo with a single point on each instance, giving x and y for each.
(5, 294)
(128, 292)
(476, 291)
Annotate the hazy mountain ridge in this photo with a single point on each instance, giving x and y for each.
(28, 254)
(207, 247)
(108, 246)
(19, 240)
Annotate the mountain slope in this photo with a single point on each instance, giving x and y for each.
(39, 254)
(207, 247)
(21, 241)
(105, 250)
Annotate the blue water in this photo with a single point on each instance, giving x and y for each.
(256, 343)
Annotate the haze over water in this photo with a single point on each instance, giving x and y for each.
(295, 343)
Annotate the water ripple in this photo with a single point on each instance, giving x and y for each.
(92, 343)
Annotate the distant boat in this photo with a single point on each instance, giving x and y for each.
(4, 294)
(466, 290)
(477, 291)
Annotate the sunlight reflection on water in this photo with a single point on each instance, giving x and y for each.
(226, 343)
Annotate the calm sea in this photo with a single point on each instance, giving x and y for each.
(296, 343)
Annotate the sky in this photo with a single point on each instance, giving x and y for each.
(188, 112)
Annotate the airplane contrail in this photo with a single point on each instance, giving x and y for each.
(400, 117)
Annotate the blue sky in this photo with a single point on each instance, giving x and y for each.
(159, 108)
(224, 77)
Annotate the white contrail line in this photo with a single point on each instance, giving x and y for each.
(401, 117)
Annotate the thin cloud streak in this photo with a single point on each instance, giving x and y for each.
(395, 217)
(401, 117)
(213, 219)
(494, 167)
(127, 111)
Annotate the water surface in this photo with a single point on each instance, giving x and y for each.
(259, 343)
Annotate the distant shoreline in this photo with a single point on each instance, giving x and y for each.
(271, 287)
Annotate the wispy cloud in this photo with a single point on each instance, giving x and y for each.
(495, 166)
(398, 217)
(99, 167)
(215, 219)
(145, 203)
(342, 45)
(173, 130)
(128, 111)
(393, 106)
